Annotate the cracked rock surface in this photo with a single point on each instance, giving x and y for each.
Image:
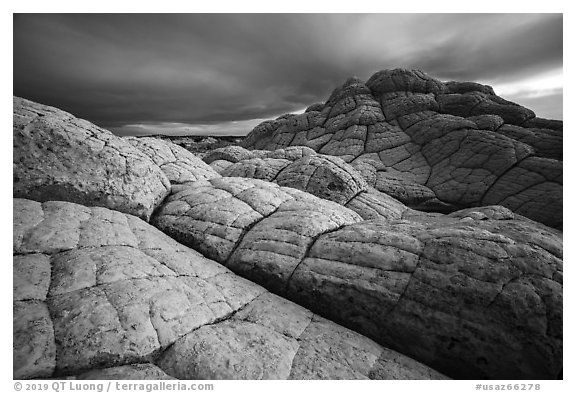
(295, 263)
(60, 157)
(99, 294)
(324, 176)
(475, 294)
(214, 216)
(177, 163)
(432, 145)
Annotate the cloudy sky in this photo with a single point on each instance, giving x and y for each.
(223, 74)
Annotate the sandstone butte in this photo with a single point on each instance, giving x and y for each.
(406, 228)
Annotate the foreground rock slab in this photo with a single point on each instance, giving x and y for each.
(101, 294)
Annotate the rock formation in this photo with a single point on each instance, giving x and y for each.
(95, 288)
(477, 294)
(433, 145)
(60, 157)
(366, 238)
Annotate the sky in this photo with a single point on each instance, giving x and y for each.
(217, 74)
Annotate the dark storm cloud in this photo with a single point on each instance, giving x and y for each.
(206, 69)
(501, 47)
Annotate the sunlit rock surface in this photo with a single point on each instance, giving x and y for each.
(60, 157)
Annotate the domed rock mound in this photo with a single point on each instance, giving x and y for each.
(177, 163)
(60, 157)
(324, 176)
(454, 144)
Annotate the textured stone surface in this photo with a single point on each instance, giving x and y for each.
(34, 349)
(177, 163)
(60, 157)
(476, 293)
(533, 188)
(255, 168)
(103, 295)
(473, 297)
(236, 154)
(143, 371)
(463, 293)
(434, 146)
(547, 143)
(214, 216)
(326, 177)
(374, 204)
(228, 153)
(272, 338)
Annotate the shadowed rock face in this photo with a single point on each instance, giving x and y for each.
(476, 293)
(418, 139)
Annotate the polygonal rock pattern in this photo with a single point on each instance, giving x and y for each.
(526, 188)
(235, 154)
(228, 153)
(177, 163)
(434, 146)
(375, 204)
(272, 338)
(477, 294)
(326, 177)
(547, 143)
(256, 168)
(100, 294)
(60, 157)
(213, 216)
(472, 297)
